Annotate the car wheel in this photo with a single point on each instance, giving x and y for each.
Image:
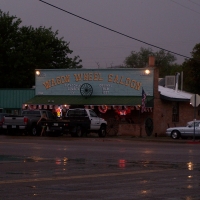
(78, 131)
(175, 134)
(102, 131)
(34, 131)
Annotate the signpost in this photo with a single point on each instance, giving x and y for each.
(195, 101)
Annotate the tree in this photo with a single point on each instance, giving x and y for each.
(24, 49)
(163, 60)
(191, 71)
(138, 59)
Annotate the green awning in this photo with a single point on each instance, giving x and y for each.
(93, 100)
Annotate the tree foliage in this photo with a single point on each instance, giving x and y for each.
(191, 71)
(24, 49)
(163, 60)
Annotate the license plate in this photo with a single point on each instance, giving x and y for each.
(13, 126)
(55, 124)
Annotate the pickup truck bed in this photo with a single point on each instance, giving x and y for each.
(15, 122)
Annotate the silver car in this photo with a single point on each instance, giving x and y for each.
(185, 132)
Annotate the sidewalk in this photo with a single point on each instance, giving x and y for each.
(160, 139)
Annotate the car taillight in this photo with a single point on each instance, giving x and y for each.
(25, 120)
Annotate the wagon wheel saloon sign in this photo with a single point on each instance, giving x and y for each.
(110, 86)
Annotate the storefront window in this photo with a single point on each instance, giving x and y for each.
(9, 111)
(175, 112)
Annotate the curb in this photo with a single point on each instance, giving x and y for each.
(193, 142)
(159, 139)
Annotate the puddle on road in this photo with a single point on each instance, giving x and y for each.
(111, 163)
(4, 158)
(64, 163)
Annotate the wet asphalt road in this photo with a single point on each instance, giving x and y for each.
(96, 168)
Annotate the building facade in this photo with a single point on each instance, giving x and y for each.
(114, 94)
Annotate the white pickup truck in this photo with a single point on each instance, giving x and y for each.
(77, 122)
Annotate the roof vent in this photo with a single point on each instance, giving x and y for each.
(170, 82)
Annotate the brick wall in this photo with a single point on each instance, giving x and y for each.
(163, 115)
(163, 111)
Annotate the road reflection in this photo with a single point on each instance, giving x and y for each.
(120, 163)
(190, 166)
(59, 169)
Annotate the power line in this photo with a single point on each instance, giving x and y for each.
(186, 7)
(114, 30)
(194, 2)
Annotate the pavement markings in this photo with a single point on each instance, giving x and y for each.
(78, 177)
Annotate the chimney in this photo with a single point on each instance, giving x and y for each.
(151, 61)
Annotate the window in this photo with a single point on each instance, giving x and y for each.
(175, 112)
(76, 113)
(197, 124)
(93, 114)
(32, 112)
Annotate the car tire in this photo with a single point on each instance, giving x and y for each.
(79, 132)
(175, 134)
(34, 130)
(102, 131)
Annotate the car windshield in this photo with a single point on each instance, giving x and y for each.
(191, 124)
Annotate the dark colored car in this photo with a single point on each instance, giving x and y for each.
(1, 121)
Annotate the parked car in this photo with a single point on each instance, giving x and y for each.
(1, 121)
(26, 122)
(185, 132)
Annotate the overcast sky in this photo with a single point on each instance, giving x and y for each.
(170, 24)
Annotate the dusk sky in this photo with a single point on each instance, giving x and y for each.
(173, 25)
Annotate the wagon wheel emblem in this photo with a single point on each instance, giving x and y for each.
(149, 126)
(112, 127)
(86, 90)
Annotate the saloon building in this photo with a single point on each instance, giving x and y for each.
(131, 100)
(119, 96)
(116, 95)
